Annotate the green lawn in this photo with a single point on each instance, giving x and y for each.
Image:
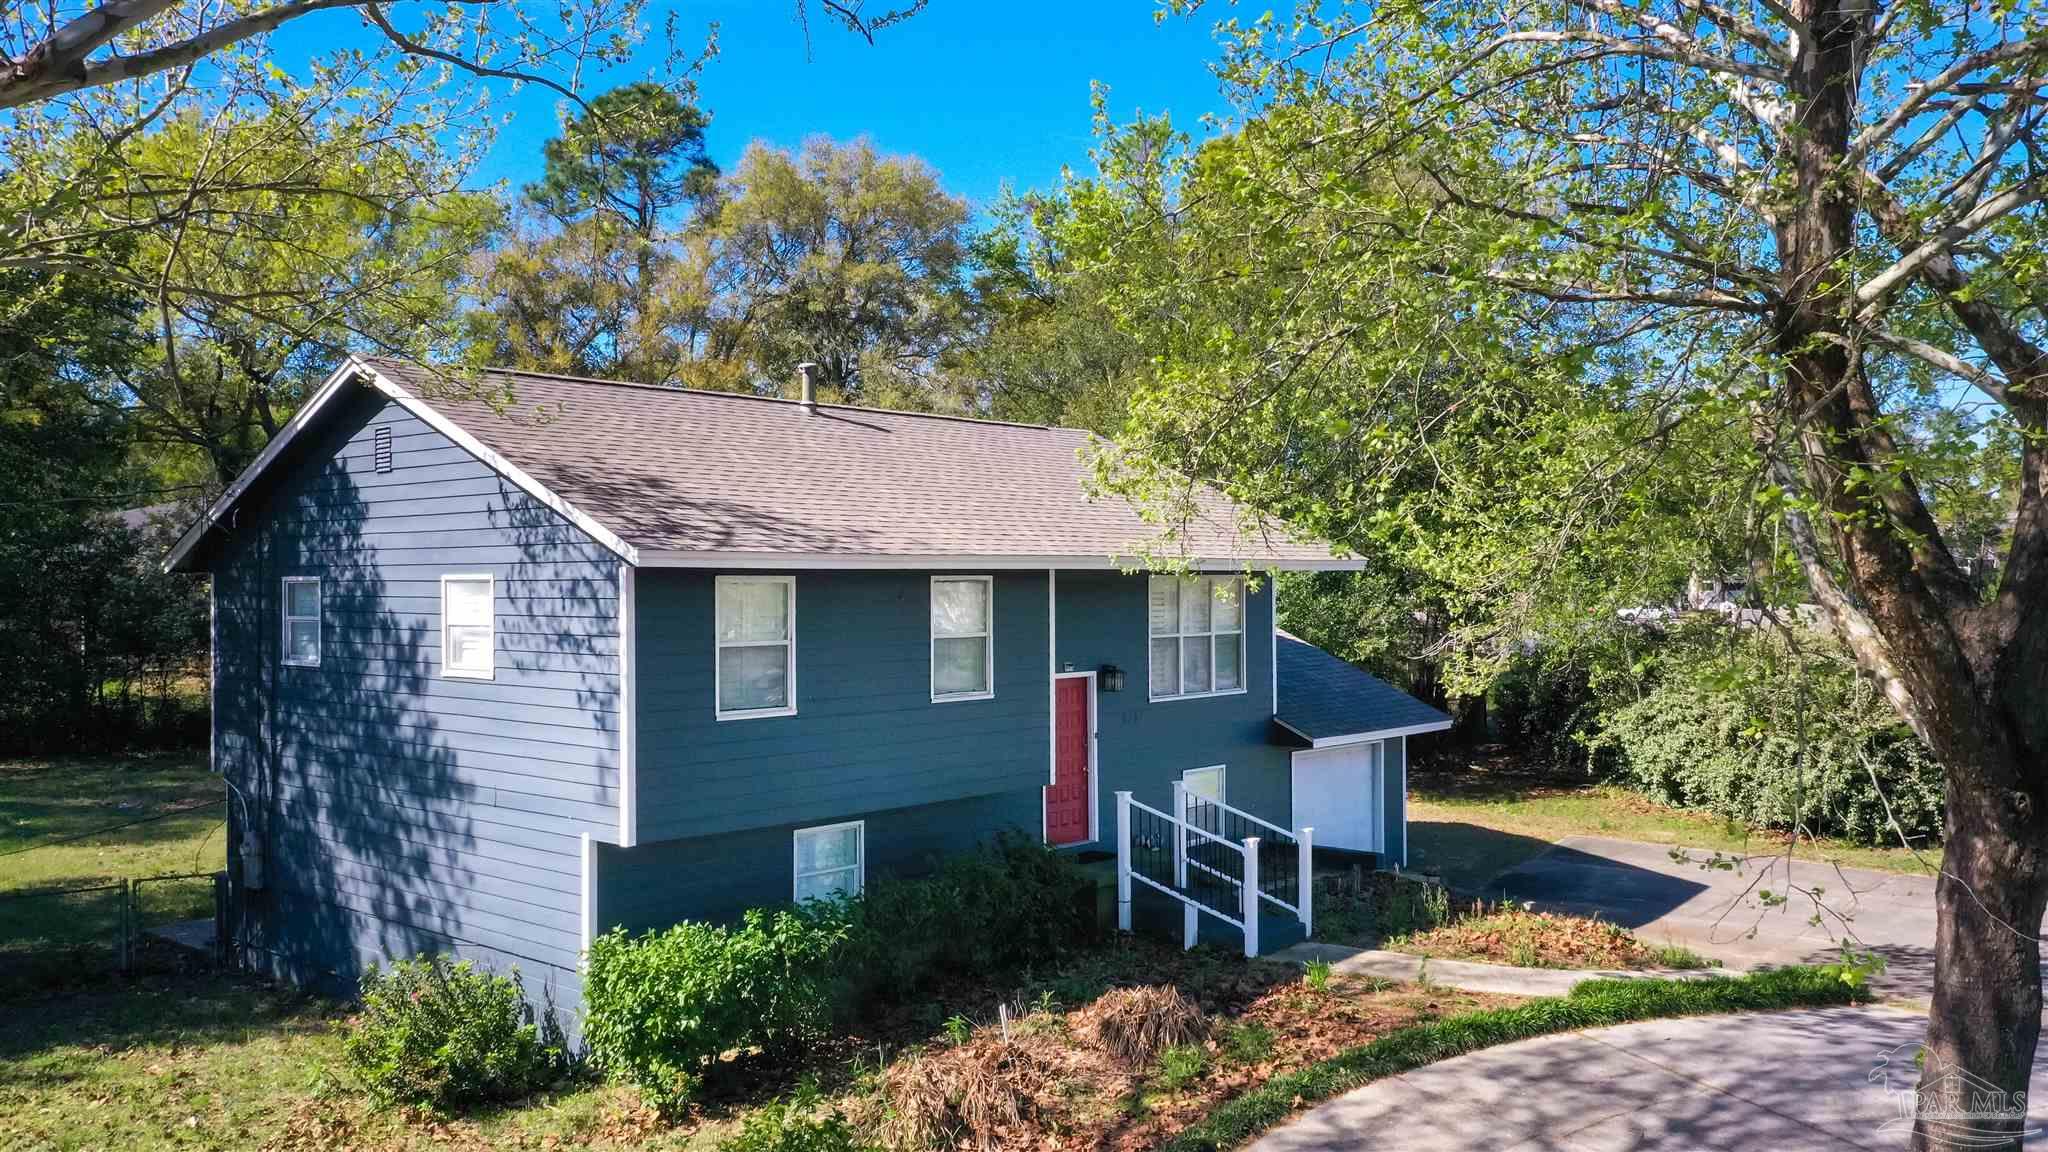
(79, 823)
(1474, 816)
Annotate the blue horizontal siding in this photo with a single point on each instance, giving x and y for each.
(401, 810)
(866, 735)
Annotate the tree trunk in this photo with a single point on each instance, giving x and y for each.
(1986, 1015)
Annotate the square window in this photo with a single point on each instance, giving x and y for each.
(1197, 628)
(830, 861)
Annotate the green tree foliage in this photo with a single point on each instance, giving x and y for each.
(1748, 728)
(93, 641)
(1565, 301)
(1046, 351)
(602, 277)
(839, 255)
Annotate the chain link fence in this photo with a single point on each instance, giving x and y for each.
(149, 923)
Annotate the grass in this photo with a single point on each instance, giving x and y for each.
(1474, 816)
(1595, 1004)
(79, 823)
(1508, 934)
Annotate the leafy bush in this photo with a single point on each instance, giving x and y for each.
(1541, 703)
(794, 1125)
(1719, 731)
(447, 1034)
(660, 1007)
(1010, 904)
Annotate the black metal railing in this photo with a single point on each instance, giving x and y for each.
(1215, 874)
(1279, 852)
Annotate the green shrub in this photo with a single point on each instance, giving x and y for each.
(1719, 732)
(659, 1007)
(794, 1126)
(1180, 1066)
(1011, 904)
(447, 1034)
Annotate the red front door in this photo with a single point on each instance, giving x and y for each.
(1066, 802)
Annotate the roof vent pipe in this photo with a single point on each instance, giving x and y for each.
(809, 371)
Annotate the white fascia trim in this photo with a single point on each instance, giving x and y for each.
(1052, 684)
(271, 451)
(671, 558)
(499, 464)
(1365, 737)
(351, 369)
(629, 711)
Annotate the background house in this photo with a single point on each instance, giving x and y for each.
(498, 671)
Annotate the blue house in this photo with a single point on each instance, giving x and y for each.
(500, 666)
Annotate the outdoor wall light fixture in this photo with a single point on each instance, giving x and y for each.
(1112, 678)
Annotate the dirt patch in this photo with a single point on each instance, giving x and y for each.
(1526, 939)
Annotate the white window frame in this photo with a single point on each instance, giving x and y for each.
(490, 669)
(286, 620)
(1180, 667)
(988, 650)
(860, 856)
(719, 646)
(1222, 772)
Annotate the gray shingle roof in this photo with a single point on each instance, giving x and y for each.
(1322, 696)
(676, 471)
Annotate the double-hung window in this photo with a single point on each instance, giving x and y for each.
(830, 860)
(469, 639)
(756, 646)
(1197, 626)
(963, 637)
(302, 621)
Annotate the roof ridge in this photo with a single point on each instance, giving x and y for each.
(718, 394)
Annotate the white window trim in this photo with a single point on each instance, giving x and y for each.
(860, 861)
(1243, 609)
(988, 653)
(718, 648)
(286, 620)
(490, 671)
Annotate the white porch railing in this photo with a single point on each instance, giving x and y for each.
(1210, 873)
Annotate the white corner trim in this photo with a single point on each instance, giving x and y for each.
(1404, 796)
(586, 901)
(510, 471)
(1052, 687)
(1365, 737)
(629, 710)
(1273, 640)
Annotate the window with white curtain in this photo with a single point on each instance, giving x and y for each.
(756, 647)
(963, 637)
(1197, 628)
(302, 621)
(469, 617)
(830, 860)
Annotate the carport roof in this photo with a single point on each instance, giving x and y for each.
(1326, 701)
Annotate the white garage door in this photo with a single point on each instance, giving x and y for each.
(1338, 792)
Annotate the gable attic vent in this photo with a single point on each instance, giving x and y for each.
(383, 447)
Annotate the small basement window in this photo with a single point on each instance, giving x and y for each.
(830, 860)
(963, 637)
(1197, 627)
(469, 627)
(756, 644)
(302, 621)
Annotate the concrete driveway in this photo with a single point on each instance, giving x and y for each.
(1718, 913)
(1785, 1081)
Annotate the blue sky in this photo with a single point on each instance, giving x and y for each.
(984, 94)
